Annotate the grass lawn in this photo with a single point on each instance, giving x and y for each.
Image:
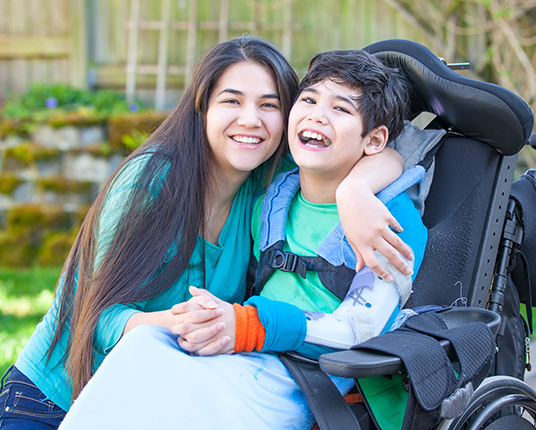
(25, 296)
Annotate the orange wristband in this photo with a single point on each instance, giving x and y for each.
(250, 333)
(241, 328)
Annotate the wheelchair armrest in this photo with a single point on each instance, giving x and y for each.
(366, 363)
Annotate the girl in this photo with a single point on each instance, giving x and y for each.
(175, 213)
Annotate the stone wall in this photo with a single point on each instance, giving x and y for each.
(78, 155)
(48, 180)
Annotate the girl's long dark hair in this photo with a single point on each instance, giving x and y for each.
(167, 203)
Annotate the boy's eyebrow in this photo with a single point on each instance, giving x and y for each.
(240, 93)
(338, 97)
(346, 99)
(310, 89)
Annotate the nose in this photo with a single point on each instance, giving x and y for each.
(317, 114)
(249, 116)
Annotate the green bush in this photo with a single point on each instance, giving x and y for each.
(59, 105)
(17, 249)
(132, 129)
(8, 183)
(55, 248)
(29, 152)
(61, 185)
(25, 218)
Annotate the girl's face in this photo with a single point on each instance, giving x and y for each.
(244, 119)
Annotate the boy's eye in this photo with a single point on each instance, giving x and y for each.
(341, 109)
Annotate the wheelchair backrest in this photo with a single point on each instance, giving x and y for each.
(474, 168)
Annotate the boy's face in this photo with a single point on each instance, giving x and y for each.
(325, 130)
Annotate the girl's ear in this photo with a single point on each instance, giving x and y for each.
(376, 140)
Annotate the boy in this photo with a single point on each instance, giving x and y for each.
(349, 105)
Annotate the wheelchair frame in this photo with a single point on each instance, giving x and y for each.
(499, 400)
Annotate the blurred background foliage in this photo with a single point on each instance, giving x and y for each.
(505, 31)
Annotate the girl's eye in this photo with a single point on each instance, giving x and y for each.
(308, 100)
(270, 105)
(230, 101)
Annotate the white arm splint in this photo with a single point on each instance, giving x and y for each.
(364, 312)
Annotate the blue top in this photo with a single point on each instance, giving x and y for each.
(225, 267)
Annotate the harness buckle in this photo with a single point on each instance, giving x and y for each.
(287, 262)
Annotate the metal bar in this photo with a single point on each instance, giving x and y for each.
(481, 282)
(459, 66)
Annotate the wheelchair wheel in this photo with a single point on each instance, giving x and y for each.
(500, 402)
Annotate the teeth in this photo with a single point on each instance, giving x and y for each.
(312, 145)
(314, 140)
(247, 140)
(312, 135)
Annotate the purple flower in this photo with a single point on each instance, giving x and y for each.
(133, 107)
(51, 102)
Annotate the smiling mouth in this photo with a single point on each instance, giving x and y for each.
(246, 140)
(313, 140)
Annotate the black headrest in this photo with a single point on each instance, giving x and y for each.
(478, 110)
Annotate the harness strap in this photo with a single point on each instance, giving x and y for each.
(329, 407)
(335, 248)
(435, 391)
(466, 339)
(521, 278)
(335, 261)
(431, 374)
(337, 280)
(524, 194)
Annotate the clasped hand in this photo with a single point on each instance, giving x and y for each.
(206, 325)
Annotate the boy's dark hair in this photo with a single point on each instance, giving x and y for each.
(383, 91)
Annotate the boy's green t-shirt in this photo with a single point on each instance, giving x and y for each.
(307, 225)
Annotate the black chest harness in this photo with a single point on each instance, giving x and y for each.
(335, 261)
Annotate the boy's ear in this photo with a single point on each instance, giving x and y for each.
(376, 140)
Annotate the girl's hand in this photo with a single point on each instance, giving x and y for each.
(206, 324)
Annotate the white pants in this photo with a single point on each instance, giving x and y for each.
(147, 382)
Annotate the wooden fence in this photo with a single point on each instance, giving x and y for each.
(41, 41)
(149, 47)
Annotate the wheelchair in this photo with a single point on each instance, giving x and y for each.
(476, 258)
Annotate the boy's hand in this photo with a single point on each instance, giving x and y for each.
(366, 227)
(365, 220)
(206, 324)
